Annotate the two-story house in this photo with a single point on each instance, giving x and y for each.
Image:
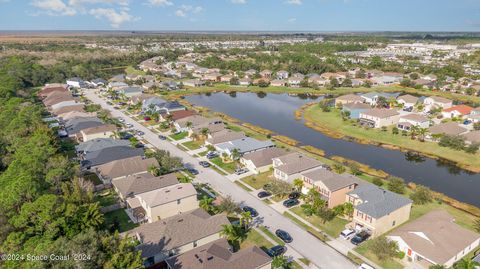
(289, 167)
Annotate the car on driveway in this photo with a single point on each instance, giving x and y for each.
(129, 125)
(360, 237)
(263, 194)
(162, 137)
(276, 251)
(204, 164)
(241, 171)
(284, 236)
(290, 202)
(252, 211)
(294, 195)
(211, 155)
(192, 171)
(347, 234)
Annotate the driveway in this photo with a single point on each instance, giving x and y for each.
(304, 243)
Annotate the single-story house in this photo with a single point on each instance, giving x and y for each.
(332, 187)
(243, 145)
(459, 111)
(289, 167)
(278, 82)
(355, 109)
(176, 235)
(348, 99)
(212, 76)
(188, 124)
(129, 92)
(261, 161)
(99, 157)
(377, 210)
(218, 255)
(129, 186)
(194, 83)
(379, 117)
(250, 73)
(115, 85)
(99, 143)
(75, 108)
(448, 128)
(74, 126)
(124, 167)
(226, 78)
(407, 121)
(51, 88)
(64, 117)
(432, 102)
(65, 104)
(472, 137)
(295, 80)
(176, 115)
(435, 239)
(223, 136)
(140, 98)
(407, 100)
(474, 115)
(245, 81)
(282, 74)
(101, 131)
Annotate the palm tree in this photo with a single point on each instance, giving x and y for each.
(188, 124)
(234, 234)
(466, 264)
(206, 203)
(245, 219)
(298, 184)
(422, 132)
(154, 170)
(280, 262)
(92, 217)
(204, 132)
(414, 131)
(348, 209)
(235, 154)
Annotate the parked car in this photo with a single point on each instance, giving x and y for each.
(365, 266)
(204, 164)
(276, 250)
(290, 202)
(347, 233)
(121, 119)
(241, 171)
(467, 122)
(284, 236)
(263, 194)
(193, 171)
(252, 211)
(162, 137)
(129, 125)
(140, 133)
(360, 237)
(294, 195)
(212, 154)
(125, 135)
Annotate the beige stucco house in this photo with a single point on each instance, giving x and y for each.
(102, 131)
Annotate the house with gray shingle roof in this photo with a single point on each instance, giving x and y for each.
(377, 210)
(289, 167)
(100, 143)
(106, 155)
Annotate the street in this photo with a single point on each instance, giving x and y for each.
(304, 243)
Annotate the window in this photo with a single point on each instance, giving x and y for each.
(393, 223)
(178, 201)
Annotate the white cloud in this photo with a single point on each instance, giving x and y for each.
(292, 20)
(186, 10)
(111, 2)
(241, 2)
(115, 18)
(54, 7)
(294, 2)
(160, 3)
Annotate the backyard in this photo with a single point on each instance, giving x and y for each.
(106, 197)
(386, 264)
(120, 220)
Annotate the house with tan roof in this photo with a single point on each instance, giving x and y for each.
(66, 109)
(76, 114)
(223, 136)
(448, 128)
(407, 100)
(129, 186)
(176, 235)
(194, 122)
(289, 167)
(407, 121)
(266, 74)
(124, 167)
(278, 82)
(218, 255)
(348, 99)
(333, 188)
(49, 89)
(432, 102)
(176, 115)
(460, 111)
(165, 202)
(261, 161)
(379, 117)
(102, 131)
(472, 137)
(435, 239)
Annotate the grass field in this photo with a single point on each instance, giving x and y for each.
(332, 121)
(179, 136)
(386, 264)
(257, 181)
(120, 216)
(332, 228)
(192, 145)
(229, 167)
(256, 239)
(132, 71)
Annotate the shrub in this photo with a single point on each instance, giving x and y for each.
(422, 195)
(377, 181)
(396, 185)
(383, 248)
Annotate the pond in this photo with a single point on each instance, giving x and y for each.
(276, 113)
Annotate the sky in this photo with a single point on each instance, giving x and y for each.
(241, 15)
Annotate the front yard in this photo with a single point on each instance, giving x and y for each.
(364, 249)
(192, 145)
(258, 181)
(179, 136)
(332, 228)
(254, 238)
(228, 167)
(119, 220)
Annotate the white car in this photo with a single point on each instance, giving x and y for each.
(129, 125)
(365, 266)
(121, 120)
(347, 234)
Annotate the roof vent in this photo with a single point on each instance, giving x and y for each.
(210, 258)
(180, 220)
(167, 191)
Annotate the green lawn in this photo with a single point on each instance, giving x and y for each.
(106, 198)
(272, 236)
(256, 239)
(332, 228)
(204, 153)
(192, 145)
(257, 181)
(93, 178)
(179, 136)
(462, 218)
(309, 229)
(332, 122)
(132, 71)
(121, 217)
(241, 185)
(386, 264)
(228, 167)
(234, 128)
(218, 170)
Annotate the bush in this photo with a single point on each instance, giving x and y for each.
(377, 181)
(396, 185)
(422, 195)
(383, 248)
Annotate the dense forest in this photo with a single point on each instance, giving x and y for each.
(45, 207)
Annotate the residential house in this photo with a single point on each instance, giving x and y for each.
(407, 100)
(278, 83)
(282, 75)
(169, 85)
(261, 161)
(49, 89)
(140, 98)
(355, 109)
(289, 167)
(250, 73)
(76, 83)
(460, 111)
(129, 186)
(243, 145)
(266, 74)
(333, 188)
(212, 77)
(435, 239)
(407, 121)
(474, 115)
(194, 83)
(67, 109)
(226, 78)
(372, 97)
(74, 126)
(57, 97)
(176, 235)
(218, 255)
(176, 115)
(448, 128)
(98, 82)
(106, 155)
(245, 81)
(348, 99)
(124, 167)
(188, 124)
(377, 210)
(118, 78)
(295, 80)
(64, 117)
(129, 92)
(433, 102)
(101, 131)
(472, 137)
(99, 143)
(223, 136)
(379, 117)
(115, 85)
(65, 104)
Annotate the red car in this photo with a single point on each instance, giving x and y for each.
(146, 118)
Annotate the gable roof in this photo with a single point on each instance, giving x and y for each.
(472, 137)
(414, 117)
(107, 155)
(127, 166)
(224, 136)
(408, 98)
(439, 99)
(350, 97)
(436, 236)
(217, 255)
(296, 162)
(331, 180)
(245, 144)
(180, 114)
(264, 157)
(99, 129)
(167, 194)
(76, 125)
(448, 128)
(380, 113)
(462, 109)
(100, 143)
(378, 202)
(176, 231)
(66, 109)
(357, 106)
(141, 183)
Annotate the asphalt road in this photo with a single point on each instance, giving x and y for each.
(304, 243)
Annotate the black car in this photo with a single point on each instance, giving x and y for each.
(162, 137)
(193, 171)
(252, 211)
(263, 194)
(284, 236)
(212, 155)
(360, 237)
(294, 195)
(204, 164)
(276, 251)
(290, 202)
